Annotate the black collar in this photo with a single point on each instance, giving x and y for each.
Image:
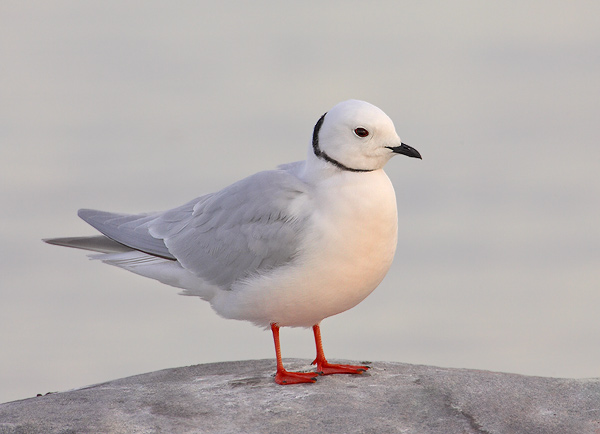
(323, 156)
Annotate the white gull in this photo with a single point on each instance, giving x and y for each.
(281, 248)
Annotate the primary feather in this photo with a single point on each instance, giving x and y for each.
(128, 229)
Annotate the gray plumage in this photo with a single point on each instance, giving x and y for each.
(98, 243)
(221, 237)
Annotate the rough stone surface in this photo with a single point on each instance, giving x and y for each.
(241, 397)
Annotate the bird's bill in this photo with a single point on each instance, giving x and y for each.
(404, 149)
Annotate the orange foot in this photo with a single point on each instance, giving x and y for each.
(326, 368)
(286, 377)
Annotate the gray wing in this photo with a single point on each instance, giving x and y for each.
(96, 243)
(249, 226)
(128, 229)
(221, 237)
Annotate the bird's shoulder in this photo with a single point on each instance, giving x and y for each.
(267, 191)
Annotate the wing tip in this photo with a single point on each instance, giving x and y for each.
(96, 243)
(53, 241)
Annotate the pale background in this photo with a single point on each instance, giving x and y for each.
(141, 106)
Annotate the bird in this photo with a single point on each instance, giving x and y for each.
(286, 247)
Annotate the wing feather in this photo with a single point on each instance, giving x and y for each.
(130, 230)
(251, 225)
(96, 243)
(246, 227)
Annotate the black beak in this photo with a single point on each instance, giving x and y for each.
(403, 149)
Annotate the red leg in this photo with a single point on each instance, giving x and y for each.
(283, 376)
(326, 368)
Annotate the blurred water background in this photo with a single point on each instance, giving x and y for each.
(141, 106)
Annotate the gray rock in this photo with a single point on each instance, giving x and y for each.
(241, 397)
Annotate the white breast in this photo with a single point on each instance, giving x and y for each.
(348, 249)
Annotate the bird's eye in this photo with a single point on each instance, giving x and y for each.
(361, 132)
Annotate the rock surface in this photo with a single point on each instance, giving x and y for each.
(241, 397)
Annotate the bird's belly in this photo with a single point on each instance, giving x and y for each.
(342, 273)
(318, 286)
(346, 254)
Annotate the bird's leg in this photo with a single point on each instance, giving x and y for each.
(326, 368)
(285, 377)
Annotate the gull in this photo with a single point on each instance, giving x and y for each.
(281, 248)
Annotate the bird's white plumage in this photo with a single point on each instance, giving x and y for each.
(289, 246)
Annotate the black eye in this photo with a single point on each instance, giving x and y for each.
(361, 132)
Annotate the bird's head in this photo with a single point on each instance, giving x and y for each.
(357, 136)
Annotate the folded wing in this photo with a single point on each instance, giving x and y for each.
(128, 229)
(248, 227)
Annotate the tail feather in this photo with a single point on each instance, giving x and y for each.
(98, 243)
